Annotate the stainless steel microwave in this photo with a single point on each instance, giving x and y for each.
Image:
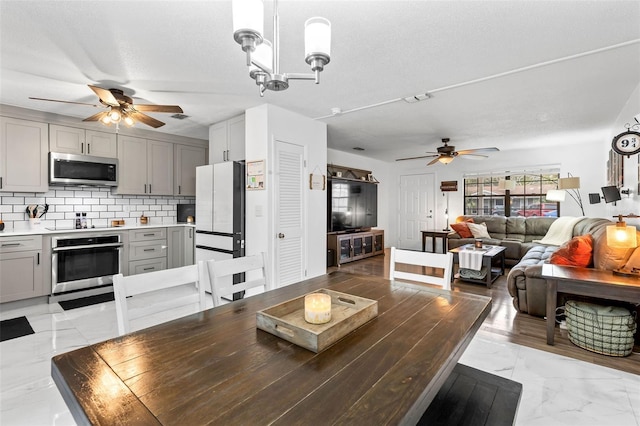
(73, 169)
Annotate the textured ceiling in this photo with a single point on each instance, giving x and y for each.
(578, 63)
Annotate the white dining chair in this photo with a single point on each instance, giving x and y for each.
(221, 274)
(431, 264)
(150, 295)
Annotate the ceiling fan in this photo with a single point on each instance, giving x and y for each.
(120, 108)
(447, 153)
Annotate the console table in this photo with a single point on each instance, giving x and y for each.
(444, 235)
(585, 282)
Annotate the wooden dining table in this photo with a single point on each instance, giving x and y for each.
(216, 367)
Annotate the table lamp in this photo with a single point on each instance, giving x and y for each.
(622, 236)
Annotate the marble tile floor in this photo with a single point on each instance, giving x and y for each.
(556, 390)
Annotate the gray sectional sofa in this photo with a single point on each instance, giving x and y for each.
(526, 257)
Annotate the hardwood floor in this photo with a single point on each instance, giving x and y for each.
(504, 322)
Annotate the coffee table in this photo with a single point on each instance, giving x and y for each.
(493, 260)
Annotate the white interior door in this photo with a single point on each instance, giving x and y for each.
(289, 215)
(416, 209)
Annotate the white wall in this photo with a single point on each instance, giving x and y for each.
(382, 172)
(263, 126)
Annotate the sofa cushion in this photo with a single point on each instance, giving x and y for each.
(575, 252)
(536, 227)
(462, 229)
(634, 259)
(609, 258)
(479, 230)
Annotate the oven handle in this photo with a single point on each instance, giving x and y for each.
(88, 246)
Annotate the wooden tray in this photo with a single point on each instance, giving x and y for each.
(286, 320)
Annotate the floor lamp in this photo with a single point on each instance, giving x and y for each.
(446, 211)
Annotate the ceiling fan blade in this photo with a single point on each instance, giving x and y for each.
(145, 119)
(105, 95)
(159, 108)
(96, 117)
(416, 158)
(65, 102)
(472, 151)
(434, 161)
(474, 156)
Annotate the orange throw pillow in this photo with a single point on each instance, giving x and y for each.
(462, 229)
(575, 252)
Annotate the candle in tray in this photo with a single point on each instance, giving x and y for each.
(317, 308)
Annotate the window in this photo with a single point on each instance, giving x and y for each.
(485, 195)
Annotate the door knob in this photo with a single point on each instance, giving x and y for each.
(281, 235)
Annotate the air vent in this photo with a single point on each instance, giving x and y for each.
(179, 116)
(417, 98)
(357, 148)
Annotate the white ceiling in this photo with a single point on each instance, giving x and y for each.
(183, 52)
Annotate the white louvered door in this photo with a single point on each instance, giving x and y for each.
(289, 216)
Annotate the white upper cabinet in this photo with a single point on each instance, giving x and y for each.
(23, 155)
(160, 167)
(187, 158)
(227, 140)
(146, 166)
(80, 141)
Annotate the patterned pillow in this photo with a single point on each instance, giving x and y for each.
(462, 229)
(575, 252)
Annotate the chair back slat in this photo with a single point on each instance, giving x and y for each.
(426, 267)
(221, 269)
(134, 300)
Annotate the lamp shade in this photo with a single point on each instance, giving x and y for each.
(445, 159)
(317, 37)
(621, 236)
(556, 195)
(569, 183)
(507, 184)
(248, 15)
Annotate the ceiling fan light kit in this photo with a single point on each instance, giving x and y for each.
(263, 57)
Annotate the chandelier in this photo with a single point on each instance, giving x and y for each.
(263, 57)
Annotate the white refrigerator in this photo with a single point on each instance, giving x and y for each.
(220, 212)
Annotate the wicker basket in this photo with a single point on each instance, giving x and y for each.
(606, 330)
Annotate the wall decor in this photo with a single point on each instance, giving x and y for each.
(615, 175)
(317, 180)
(255, 175)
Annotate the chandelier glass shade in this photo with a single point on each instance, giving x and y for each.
(263, 57)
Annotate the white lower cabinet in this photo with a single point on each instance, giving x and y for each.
(147, 250)
(181, 244)
(21, 268)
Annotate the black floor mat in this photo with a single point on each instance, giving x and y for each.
(14, 327)
(86, 301)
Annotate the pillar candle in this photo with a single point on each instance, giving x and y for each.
(317, 308)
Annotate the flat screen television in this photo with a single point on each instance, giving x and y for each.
(352, 205)
(611, 194)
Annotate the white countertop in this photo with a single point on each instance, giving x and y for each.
(42, 230)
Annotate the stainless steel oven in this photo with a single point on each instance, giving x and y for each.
(84, 261)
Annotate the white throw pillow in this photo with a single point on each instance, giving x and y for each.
(479, 230)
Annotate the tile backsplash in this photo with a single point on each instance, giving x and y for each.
(100, 205)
